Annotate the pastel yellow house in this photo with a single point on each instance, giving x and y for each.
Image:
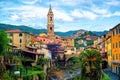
(95, 42)
(108, 49)
(80, 42)
(67, 42)
(18, 38)
(70, 51)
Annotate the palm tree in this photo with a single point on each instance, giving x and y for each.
(91, 64)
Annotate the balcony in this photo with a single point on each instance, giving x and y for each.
(115, 62)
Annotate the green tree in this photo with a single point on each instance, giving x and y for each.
(3, 43)
(3, 50)
(42, 61)
(90, 42)
(91, 65)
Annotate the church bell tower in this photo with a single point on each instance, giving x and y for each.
(50, 23)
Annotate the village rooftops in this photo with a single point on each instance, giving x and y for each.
(13, 31)
(32, 52)
(17, 31)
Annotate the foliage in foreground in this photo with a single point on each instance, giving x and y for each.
(105, 77)
(3, 42)
(90, 66)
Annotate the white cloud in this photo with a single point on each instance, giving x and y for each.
(117, 13)
(62, 15)
(30, 1)
(100, 11)
(76, 2)
(113, 2)
(89, 15)
(71, 2)
(77, 14)
(14, 17)
(27, 13)
(34, 12)
(83, 14)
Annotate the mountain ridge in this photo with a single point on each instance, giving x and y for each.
(38, 31)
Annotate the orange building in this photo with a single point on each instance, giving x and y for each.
(115, 43)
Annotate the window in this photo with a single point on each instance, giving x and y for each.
(113, 45)
(116, 56)
(50, 18)
(113, 57)
(109, 53)
(51, 28)
(119, 44)
(116, 45)
(20, 34)
(113, 33)
(11, 34)
(117, 30)
(20, 40)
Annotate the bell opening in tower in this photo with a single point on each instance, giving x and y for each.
(50, 18)
(51, 28)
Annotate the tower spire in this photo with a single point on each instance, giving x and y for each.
(50, 5)
(50, 10)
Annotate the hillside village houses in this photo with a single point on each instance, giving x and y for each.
(109, 45)
(34, 47)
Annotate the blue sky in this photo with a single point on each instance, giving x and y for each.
(94, 15)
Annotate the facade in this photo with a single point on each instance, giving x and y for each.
(115, 43)
(80, 42)
(108, 49)
(95, 42)
(67, 42)
(109, 46)
(88, 37)
(70, 51)
(18, 38)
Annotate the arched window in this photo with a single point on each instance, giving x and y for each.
(20, 40)
(20, 34)
(51, 28)
(50, 18)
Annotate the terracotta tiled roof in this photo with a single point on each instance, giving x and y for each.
(13, 31)
(30, 52)
(34, 40)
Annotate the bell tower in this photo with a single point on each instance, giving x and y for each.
(50, 23)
